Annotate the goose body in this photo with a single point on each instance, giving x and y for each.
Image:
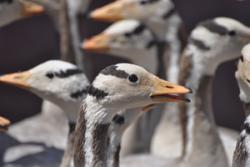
(104, 100)
(11, 11)
(64, 85)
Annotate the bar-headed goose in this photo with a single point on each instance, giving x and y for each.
(59, 82)
(116, 88)
(211, 43)
(4, 124)
(13, 10)
(242, 150)
(132, 40)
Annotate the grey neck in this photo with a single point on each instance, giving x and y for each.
(203, 138)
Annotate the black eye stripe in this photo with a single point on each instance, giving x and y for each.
(63, 74)
(139, 29)
(199, 44)
(78, 93)
(214, 27)
(99, 94)
(112, 70)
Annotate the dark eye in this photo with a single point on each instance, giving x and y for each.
(133, 78)
(50, 75)
(232, 33)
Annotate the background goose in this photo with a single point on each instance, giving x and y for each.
(210, 44)
(61, 83)
(241, 153)
(160, 16)
(132, 40)
(104, 100)
(4, 124)
(11, 11)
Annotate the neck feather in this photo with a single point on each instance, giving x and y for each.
(92, 134)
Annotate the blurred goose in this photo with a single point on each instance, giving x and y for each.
(4, 124)
(132, 40)
(13, 10)
(61, 83)
(112, 91)
(211, 43)
(66, 17)
(241, 153)
(160, 16)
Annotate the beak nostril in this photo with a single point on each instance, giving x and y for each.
(170, 87)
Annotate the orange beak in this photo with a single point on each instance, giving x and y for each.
(111, 12)
(97, 44)
(30, 9)
(4, 124)
(165, 91)
(18, 79)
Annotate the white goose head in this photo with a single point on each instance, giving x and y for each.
(135, 9)
(57, 81)
(126, 86)
(12, 10)
(217, 40)
(243, 74)
(127, 39)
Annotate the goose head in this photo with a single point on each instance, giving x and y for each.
(4, 124)
(12, 10)
(128, 86)
(135, 9)
(217, 40)
(60, 82)
(243, 74)
(127, 39)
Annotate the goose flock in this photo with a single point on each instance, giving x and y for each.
(155, 111)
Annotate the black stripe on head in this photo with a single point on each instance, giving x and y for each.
(139, 29)
(99, 94)
(199, 44)
(6, 1)
(118, 119)
(147, 2)
(64, 74)
(78, 94)
(112, 70)
(169, 13)
(212, 26)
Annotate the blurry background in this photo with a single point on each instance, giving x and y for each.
(29, 42)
